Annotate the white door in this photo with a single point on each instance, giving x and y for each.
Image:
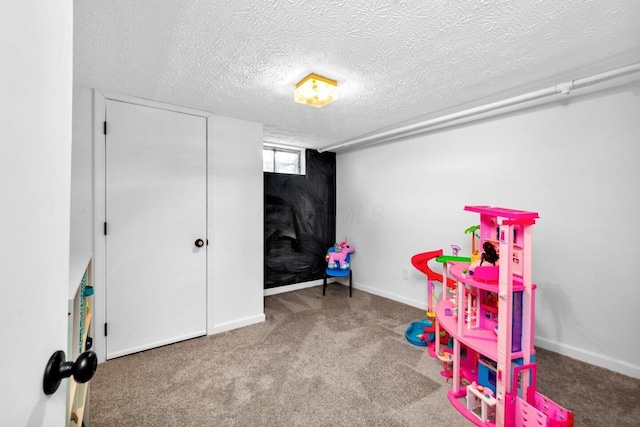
(35, 165)
(155, 198)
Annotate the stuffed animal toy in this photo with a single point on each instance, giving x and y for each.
(338, 257)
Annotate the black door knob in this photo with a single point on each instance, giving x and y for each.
(199, 243)
(57, 369)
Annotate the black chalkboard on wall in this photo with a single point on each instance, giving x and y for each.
(299, 221)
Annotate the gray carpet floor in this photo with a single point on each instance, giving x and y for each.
(324, 361)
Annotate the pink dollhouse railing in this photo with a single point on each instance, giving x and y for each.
(537, 410)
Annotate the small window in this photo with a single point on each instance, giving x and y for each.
(283, 160)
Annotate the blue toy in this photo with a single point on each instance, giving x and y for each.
(420, 333)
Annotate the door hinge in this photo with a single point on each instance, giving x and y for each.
(105, 228)
(104, 128)
(105, 329)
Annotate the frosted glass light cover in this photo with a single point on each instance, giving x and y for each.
(316, 91)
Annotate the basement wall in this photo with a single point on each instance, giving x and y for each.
(574, 161)
(299, 222)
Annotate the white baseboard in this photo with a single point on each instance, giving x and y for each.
(345, 282)
(295, 287)
(389, 295)
(586, 356)
(156, 344)
(590, 357)
(235, 324)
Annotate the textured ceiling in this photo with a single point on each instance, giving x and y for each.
(396, 61)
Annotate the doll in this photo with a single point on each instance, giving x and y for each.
(489, 257)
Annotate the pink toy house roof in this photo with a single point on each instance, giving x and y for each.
(502, 212)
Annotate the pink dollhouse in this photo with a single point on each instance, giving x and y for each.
(485, 327)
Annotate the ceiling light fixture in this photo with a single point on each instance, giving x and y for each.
(316, 91)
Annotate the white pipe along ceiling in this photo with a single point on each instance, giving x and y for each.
(478, 112)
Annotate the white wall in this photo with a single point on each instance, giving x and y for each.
(35, 160)
(575, 162)
(236, 194)
(235, 291)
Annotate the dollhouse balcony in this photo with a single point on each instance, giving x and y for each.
(481, 281)
(473, 320)
(483, 340)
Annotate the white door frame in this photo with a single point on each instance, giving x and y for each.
(100, 98)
